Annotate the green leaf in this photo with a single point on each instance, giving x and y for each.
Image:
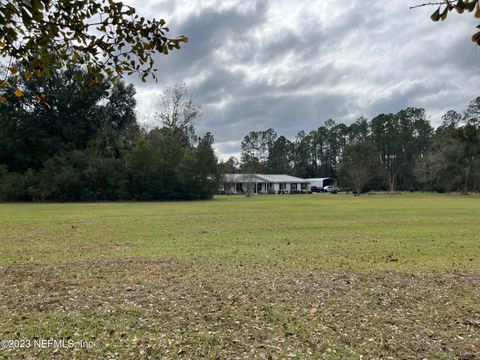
(37, 5)
(470, 6)
(476, 38)
(444, 14)
(436, 15)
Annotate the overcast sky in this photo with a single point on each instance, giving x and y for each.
(291, 65)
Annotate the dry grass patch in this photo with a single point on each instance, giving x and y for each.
(169, 308)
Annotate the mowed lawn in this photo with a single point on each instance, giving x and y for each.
(305, 276)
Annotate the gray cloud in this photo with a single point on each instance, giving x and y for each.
(292, 65)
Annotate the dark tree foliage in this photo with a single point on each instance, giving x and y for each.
(202, 174)
(256, 145)
(452, 162)
(360, 164)
(161, 167)
(87, 145)
(412, 155)
(280, 156)
(78, 116)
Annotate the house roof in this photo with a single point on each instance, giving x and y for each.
(281, 178)
(231, 178)
(320, 179)
(263, 178)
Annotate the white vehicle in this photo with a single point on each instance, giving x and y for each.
(330, 189)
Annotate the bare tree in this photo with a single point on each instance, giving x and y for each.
(428, 168)
(249, 169)
(179, 112)
(250, 184)
(360, 164)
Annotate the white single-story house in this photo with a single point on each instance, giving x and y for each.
(263, 184)
(320, 183)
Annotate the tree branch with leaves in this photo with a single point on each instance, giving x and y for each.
(107, 37)
(460, 6)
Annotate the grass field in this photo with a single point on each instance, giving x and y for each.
(307, 276)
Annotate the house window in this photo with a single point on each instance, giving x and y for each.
(293, 186)
(304, 186)
(282, 186)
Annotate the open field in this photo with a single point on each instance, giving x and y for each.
(307, 276)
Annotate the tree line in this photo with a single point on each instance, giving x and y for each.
(393, 152)
(83, 142)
